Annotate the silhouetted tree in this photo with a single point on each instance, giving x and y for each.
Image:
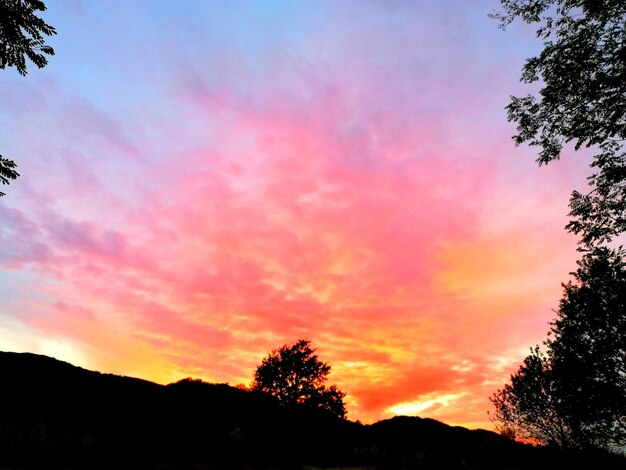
(7, 171)
(528, 407)
(21, 36)
(582, 70)
(295, 375)
(574, 394)
(589, 348)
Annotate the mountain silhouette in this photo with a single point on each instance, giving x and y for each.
(56, 415)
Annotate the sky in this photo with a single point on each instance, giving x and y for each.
(205, 181)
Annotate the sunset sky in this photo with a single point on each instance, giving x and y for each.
(204, 181)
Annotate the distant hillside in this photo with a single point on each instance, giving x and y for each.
(56, 415)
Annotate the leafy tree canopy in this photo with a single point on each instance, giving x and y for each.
(526, 407)
(7, 171)
(574, 393)
(22, 34)
(582, 100)
(21, 37)
(295, 375)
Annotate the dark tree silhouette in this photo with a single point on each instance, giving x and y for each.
(7, 171)
(589, 349)
(582, 70)
(574, 394)
(21, 36)
(295, 375)
(528, 407)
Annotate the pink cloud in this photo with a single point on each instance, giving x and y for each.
(288, 235)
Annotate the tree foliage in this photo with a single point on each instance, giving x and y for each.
(22, 34)
(574, 393)
(528, 407)
(7, 171)
(582, 100)
(21, 37)
(295, 375)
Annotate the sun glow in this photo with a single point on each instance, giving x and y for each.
(429, 401)
(63, 350)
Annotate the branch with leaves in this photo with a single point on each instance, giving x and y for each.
(21, 37)
(22, 34)
(7, 171)
(582, 101)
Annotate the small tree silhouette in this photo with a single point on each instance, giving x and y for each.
(295, 375)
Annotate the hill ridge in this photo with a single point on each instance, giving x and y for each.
(66, 416)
